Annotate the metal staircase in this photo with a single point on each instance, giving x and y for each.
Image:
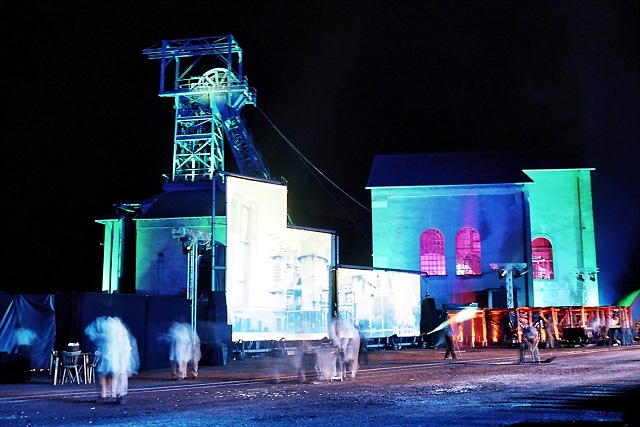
(243, 149)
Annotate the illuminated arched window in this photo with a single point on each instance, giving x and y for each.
(468, 252)
(432, 260)
(542, 258)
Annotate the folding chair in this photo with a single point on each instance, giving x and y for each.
(71, 366)
(91, 367)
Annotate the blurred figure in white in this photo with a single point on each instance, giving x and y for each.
(346, 339)
(184, 350)
(530, 341)
(306, 363)
(119, 356)
(550, 331)
(24, 337)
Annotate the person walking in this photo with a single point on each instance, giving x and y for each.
(196, 354)
(346, 340)
(449, 338)
(119, 356)
(184, 350)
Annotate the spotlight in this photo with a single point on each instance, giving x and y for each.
(502, 273)
(186, 247)
(592, 277)
(581, 277)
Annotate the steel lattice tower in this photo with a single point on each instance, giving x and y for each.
(208, 104)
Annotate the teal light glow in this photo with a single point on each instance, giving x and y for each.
(557, 206)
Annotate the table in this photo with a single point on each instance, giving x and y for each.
(56, 364)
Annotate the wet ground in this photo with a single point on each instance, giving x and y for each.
(582, 386)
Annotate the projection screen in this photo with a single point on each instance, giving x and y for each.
(278, 277)
(379, 302)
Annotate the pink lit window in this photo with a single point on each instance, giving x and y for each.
(468, 252)
(542, 258)
(432, 260)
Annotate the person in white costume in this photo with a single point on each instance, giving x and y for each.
(184, 350)
(119, 357)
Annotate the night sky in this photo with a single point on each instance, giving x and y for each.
(84, 127)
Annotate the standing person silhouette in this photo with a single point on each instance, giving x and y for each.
(449, 338)
(550, 331)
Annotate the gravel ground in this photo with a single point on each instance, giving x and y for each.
(582, 386)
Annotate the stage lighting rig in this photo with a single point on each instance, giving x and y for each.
(509, 271)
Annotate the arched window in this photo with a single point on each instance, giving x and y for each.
(432, 260)
(468, 253)
(542, 258)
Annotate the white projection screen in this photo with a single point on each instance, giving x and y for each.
(278, 277)
(380, 303)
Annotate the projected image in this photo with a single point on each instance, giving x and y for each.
(380, 302)
(277, 277)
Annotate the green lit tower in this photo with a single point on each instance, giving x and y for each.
(209, 91)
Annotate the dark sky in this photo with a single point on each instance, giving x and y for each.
(84, 127)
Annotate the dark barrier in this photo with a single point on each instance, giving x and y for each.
(68, 319)
(14, 367)
(27, 325)
(213, 329)
(428, 320)
(148, 319)
(132, 309)
(161, 311)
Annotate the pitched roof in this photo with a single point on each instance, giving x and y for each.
(468, 168)
(183, 202)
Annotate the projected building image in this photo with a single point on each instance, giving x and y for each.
(380, 303)
(277, 277)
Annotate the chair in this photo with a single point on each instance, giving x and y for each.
(91, 367)
(54, 365)
(71, 366)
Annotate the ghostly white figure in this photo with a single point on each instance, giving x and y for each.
(119, 357)
(530, 341)
(184, 350)
(24, 337)
(306, 362)
(346, 339)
